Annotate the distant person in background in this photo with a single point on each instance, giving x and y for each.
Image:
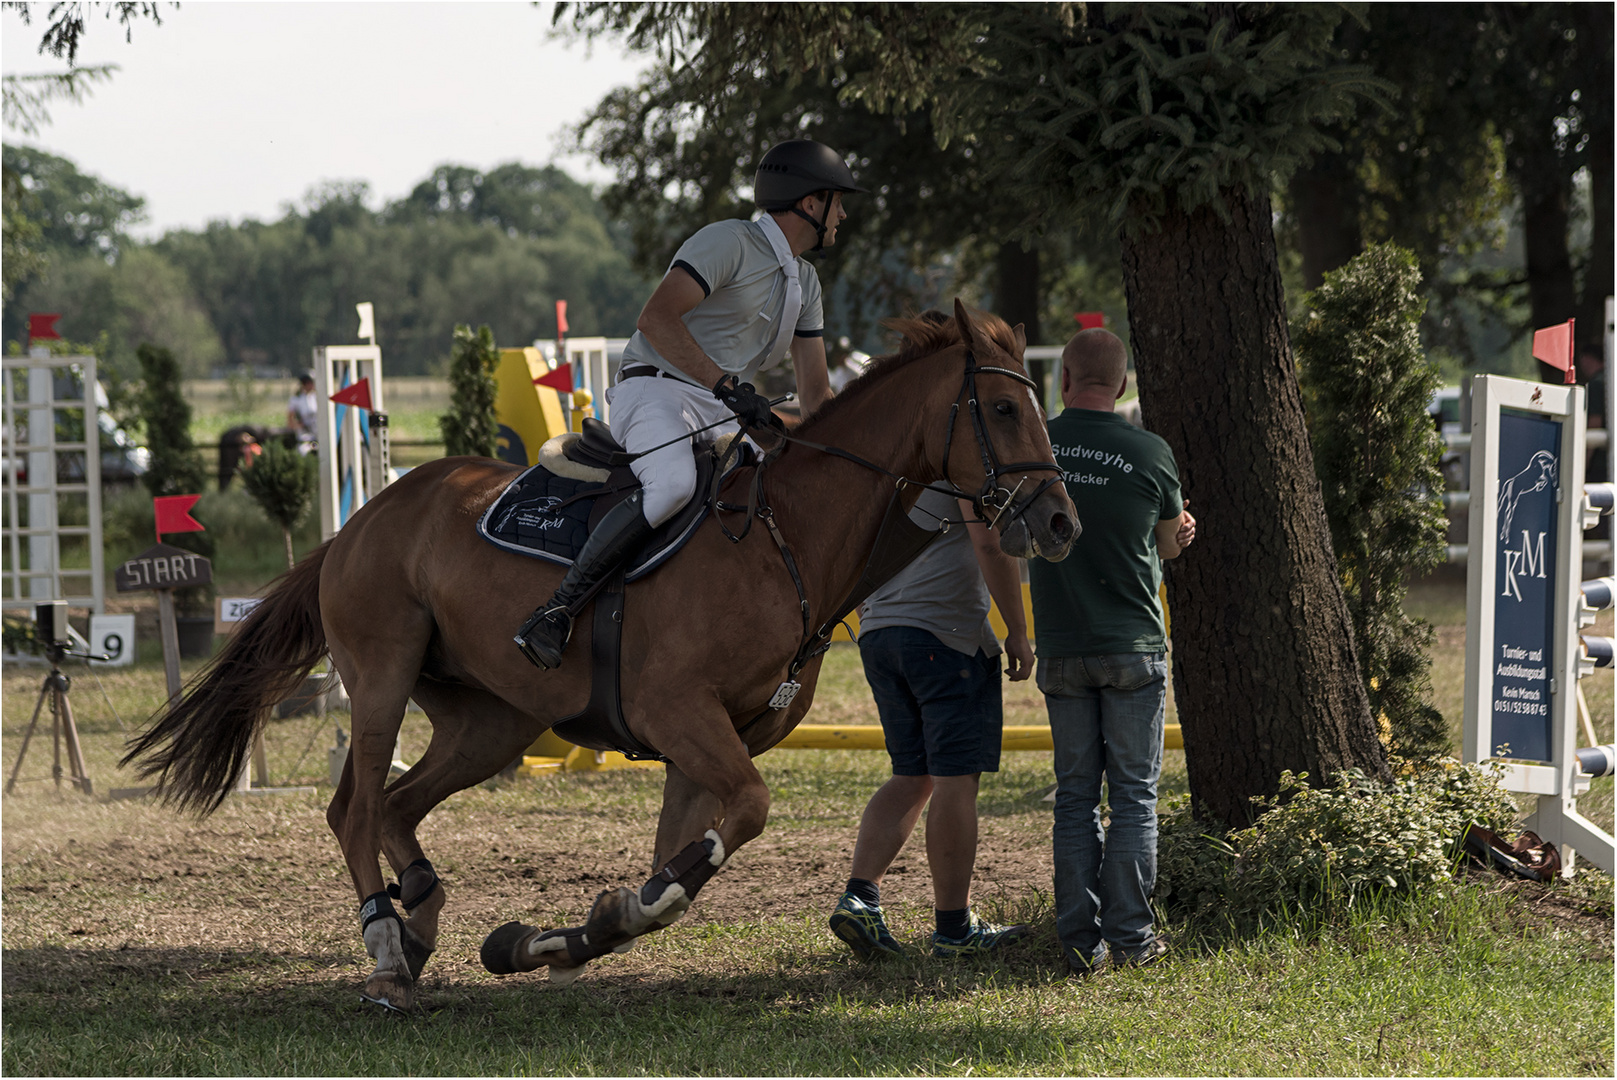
(932, 661)
(1103, 661)
(302, 409)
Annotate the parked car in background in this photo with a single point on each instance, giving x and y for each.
(123, 459)
(1444, 410)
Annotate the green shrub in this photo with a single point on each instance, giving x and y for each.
(1316, 851)
(1366, 384)
(283, 483)
(469, 426)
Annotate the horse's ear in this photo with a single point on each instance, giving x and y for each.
(969, 333)
(1019, 332)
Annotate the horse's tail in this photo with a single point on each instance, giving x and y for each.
(199, 743)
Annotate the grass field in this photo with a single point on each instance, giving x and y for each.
(141, 943)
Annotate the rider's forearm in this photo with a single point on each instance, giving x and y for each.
(813, 380)
(673, 342)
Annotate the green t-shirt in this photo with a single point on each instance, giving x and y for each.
(1102, 598)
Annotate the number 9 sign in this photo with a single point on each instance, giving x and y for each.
(113, 636)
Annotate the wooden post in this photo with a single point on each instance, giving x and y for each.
(170, 632)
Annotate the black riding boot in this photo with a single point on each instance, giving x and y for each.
(623, 529)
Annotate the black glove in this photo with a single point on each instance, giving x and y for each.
(746, 402)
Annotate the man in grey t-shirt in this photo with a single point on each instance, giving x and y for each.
(736, 299)
(933, 665)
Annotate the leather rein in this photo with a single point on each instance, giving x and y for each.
(993, 495)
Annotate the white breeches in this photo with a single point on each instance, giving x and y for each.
(650, 411)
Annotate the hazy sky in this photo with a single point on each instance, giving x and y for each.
(230, 110)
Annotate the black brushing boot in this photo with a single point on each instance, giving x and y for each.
(624, 528)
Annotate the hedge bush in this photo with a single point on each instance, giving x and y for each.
(1314, 851)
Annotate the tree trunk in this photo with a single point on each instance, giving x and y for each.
(286, 535)
(1552, 296)
(1324, 202)
(1265, 674)
(1016, 288)
(1017, 300)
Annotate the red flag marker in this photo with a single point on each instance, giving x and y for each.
(561, 317)
(1090, 320)
(559, 380)
(173, 513)
(43, 328)
(1553, 345)
(357, 395)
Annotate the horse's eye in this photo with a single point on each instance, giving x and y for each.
(1004, 408)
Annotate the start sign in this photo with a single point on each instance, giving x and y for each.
(163, 566)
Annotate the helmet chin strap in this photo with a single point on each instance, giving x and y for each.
(819, 226)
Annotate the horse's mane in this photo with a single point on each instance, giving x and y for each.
(920, 336)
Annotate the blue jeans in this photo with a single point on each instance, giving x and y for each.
(1106, 716)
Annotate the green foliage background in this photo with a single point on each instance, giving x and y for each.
(1366, 383)
(496, 247)
(469, 426)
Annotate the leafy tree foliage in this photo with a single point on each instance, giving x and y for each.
(1366, 383)
(67, 19)
(462, 247)
(498, 248)
(76, 212)
(283, 483)
(685, 144)
(28, 97)
(1172, 122)
(1496, 104)
(469, 426)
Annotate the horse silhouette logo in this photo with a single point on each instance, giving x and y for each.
(1539, 474)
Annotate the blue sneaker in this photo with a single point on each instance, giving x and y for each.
(981, 939)
(863, 928)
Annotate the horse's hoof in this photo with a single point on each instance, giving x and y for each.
(565, 976)
(503, 950)
(390, 990)
(416, 953)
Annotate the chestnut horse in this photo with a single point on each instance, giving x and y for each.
(412, 603)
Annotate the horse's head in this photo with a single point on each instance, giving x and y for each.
(998, 448)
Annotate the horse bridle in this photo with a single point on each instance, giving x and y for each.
(992, 495)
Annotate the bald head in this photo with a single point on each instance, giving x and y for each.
(1094, 366)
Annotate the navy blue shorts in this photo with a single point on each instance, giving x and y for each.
(940, 709)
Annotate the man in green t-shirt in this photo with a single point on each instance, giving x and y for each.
(1102, 652)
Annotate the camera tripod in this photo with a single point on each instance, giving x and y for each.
(54, 689)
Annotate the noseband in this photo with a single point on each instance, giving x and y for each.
(994, 495)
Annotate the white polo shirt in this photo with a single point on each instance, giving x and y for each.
(745, 292)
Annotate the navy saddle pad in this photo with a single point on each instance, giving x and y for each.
(547, 511)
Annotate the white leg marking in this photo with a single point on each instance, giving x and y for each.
(383, 942)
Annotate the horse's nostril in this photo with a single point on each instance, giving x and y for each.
(1061, 526)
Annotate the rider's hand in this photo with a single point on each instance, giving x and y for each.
(750, 406)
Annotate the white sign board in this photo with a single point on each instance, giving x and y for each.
(1523, 569)
(113, 636)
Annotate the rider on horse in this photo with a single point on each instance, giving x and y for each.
(737, 295)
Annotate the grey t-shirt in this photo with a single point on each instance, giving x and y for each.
(735, 324)
(942, 591)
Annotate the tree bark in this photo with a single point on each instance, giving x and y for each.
(1265, 673)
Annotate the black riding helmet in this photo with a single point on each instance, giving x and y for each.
(800, 167)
